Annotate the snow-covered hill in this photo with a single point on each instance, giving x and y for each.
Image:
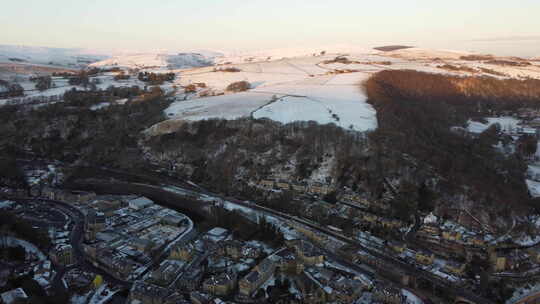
(49, 56)
(285, 90)
(158, 61)
(305, 84)
(421, 53)
(321, 84)
(281, 53)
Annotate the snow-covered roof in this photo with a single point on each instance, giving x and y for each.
(430, 219)
(217, 232)
(141, 202)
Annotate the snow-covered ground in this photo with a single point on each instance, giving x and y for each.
(286, 90)
(287, 84)
(49, 56)
(304, 84)
(533, 171)
(231, 106)
(342, 104)
(5, 204)
(280, 53)
(411, 298)
(156, 60)
(527, 240)
(103, 294)
(421, 53)
(29, 247)
(534, 187)
(508, 124)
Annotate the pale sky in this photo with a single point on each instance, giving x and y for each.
(498, 26)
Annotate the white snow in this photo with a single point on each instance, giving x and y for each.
(280, 53)
(156, 60)
(533, 171)
(527, 240)
(6, 204)
(534, 187)
(46, 55)
(508, 124)
(231, 106)
(344, 105)
(410, 297)
(99, 106)
(422, 53)
(102, 295)
(287, 90)
(445, 276)
(305, 88)
(80, 299)
(430, 219)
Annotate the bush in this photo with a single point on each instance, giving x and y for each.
(476, 57)
(509, 63)
(43, 82)
(190, 88)
(492, 72)
(239, 86)
(63, 74)
(156, 78)
(122, 76)
(339, 59)
(450, 67)
(12, 90)
(81, 79)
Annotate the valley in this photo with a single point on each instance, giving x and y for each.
(405, 173)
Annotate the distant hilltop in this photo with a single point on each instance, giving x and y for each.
(389, 48)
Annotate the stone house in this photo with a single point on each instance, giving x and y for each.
(256, 277)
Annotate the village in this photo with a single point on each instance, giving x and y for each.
(130, 241)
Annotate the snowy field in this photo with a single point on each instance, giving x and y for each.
(305, 85)
(285, 90)
(231, 106)
(343, 105)
(287, 85)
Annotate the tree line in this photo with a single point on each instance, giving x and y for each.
(156, 78)
(416, 112)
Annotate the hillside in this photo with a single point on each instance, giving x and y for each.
(421, 53)
(156, 61)
(65, 57)
(320, 87)
(356, 120)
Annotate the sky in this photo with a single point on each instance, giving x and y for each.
(496, 26)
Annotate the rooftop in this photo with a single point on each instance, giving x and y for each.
(217, 231)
